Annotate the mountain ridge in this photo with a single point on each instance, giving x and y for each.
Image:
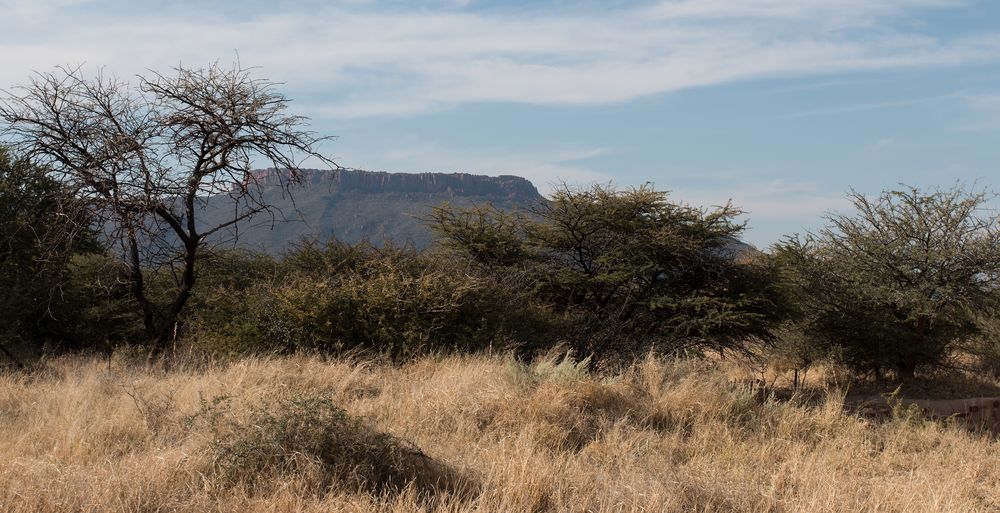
(354, 205)
(349, 179)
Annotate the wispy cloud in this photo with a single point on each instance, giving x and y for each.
(370, 58)
(861, 107)
(986, 102)
(984, 112)
(829, 11)
(770, 199)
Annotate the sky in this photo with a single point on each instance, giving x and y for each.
(781, 106)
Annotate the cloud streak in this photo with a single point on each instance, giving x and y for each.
(375, 59)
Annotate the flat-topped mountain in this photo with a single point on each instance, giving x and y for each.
(354, 205)
(379, 182)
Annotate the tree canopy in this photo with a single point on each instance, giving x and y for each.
(632, 269)
(898, 283)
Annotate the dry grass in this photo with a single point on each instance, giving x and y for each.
(662, 436)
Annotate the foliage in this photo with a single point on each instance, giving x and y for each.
(37, 240)
(985, 346)
(898, 284)
(628, 269)
(391, 301)
(96, 308)
(105, 315)
(794, 349)
(491, 237)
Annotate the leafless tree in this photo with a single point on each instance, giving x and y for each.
(148, 157)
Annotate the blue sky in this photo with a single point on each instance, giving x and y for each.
(780, 105)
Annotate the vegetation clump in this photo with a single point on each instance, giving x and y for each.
(901, 283)
(306, 434)
(629, 270)
(38, 240)
(389, 301)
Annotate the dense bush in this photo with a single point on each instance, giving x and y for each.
(629, 269)
(985, 346)
(100, 309)
(37, 240)
(391, 301)
(97, 309)
(900, 284)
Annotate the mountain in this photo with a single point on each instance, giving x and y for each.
(353, 205)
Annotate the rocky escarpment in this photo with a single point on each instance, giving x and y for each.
(354, 205)
(380, 182)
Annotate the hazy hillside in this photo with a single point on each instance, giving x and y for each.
(353, 205)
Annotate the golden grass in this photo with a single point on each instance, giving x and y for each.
(661, 436)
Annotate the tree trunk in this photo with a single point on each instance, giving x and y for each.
(906, 368)
(157, 348)
(139, 286)
(165, 331)
(159, 344)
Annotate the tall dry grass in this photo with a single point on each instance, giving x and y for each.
(496, 435)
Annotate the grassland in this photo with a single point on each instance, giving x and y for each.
(475, 433)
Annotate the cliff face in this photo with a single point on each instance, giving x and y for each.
(354, 205)
(379, 182)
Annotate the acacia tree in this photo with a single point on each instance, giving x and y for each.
(147, 158)
(630, 269)
(900, 282)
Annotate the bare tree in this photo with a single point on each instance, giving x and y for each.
(148, 157)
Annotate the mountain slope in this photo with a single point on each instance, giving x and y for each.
(354, 205)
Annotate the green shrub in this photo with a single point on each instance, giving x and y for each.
(97, 308)
(391, 301)
(42, 227)
(237, 269)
